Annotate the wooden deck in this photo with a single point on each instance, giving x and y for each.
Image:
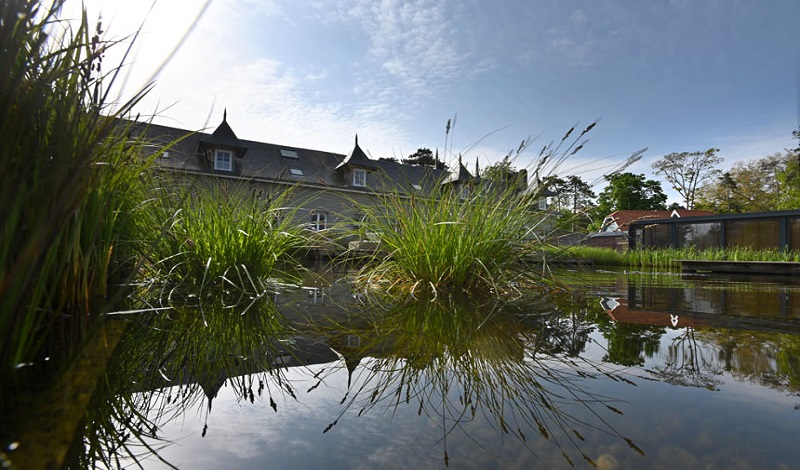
(782, 268)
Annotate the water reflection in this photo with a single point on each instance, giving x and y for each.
(176, 361)
(458, 361)
(694, 333)
(626, 371)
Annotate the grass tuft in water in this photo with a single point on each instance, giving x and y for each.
(213, 232)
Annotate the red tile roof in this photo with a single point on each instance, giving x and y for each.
(624, 218)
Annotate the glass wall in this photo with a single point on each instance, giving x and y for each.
(794, 233)
(700, 235)
(757, 234)
(655, 236)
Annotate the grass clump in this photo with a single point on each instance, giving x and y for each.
(67, 184)
(214, 233)
(444, 242)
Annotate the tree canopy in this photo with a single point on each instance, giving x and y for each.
(424, 157)
(687, 171)
(628, 191)
(763, 184)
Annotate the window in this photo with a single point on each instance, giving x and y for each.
(319, 220)
(296, 171)
(417, 187)
(223, 160)
(543, 204)
(289, 153)
(360, 178)
(464, 192)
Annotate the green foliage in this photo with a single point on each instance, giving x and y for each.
(664, 258)
(424, 157)
(574, 201)
(444, 242)
(69, 179)
(214, 233)
(757, 185)
(686, 171)
(628, 191)
(500, 171)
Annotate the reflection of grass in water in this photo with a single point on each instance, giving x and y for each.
(176, 360)
(502, 364)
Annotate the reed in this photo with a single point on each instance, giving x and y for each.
(68, 181)
(443, 242)
(212, 232)
(664, 258)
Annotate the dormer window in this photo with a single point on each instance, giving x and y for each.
(359, 178)
(223, 160)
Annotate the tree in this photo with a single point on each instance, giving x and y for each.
(573, 194)
(686, 171)
(424, 157)
(573, 201)
(501, 171)
(764, 184)
(627, 191)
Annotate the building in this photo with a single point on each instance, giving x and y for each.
(613, 232)
(774, 230)
(328, 187)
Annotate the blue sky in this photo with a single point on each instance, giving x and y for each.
(672, 76)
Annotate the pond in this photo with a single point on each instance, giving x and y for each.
(627, 370)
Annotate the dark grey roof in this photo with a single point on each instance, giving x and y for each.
(460, 175)
(357, 158)
(267, 162)
(223, 137)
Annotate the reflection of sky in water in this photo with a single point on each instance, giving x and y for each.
(742, 425)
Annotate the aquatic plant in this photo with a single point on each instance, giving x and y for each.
(215, 232)
(68, 182)
(473, 238)
(665, 258)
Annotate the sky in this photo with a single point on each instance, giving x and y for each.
(669, 76)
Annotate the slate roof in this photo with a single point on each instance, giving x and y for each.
(357, 158)
(265, 161)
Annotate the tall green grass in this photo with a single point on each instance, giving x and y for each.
(664, 258)
(211, 232)
(67, 182)
(443, 242)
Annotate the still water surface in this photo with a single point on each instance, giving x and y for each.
(626, 371)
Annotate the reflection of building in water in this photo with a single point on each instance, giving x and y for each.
(719, 305)
(752, 335)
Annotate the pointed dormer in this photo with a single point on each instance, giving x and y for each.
(461, 180)
(460, 176)
(222, 147)
(358, 164)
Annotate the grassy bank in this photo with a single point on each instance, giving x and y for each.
(664, 258)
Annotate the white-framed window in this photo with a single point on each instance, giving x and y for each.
(289, 153)
(319, 221)
(359, 178)
(223, 160)
(543, 204)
